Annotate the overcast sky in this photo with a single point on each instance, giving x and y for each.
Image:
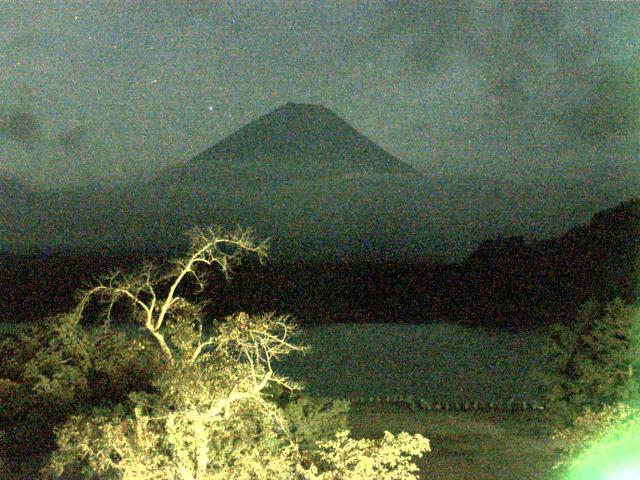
(118, 89)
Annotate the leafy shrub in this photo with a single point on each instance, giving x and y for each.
(344, 458)
(121, 365)
(593, 363)
(56, 370)
(310, 418)
(313, 419)
(207, 416)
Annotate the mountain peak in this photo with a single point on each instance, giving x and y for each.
(293, 112)
(296, 140)
(294, 105)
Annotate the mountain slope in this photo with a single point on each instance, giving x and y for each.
(309, 181)
(292, 142)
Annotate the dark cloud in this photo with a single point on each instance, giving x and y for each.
(21, 126)
(436, 28)
(19, 120)
(73, 138)
(512, 51)
(536, 21)
(609, 103)
(527, 83)
(508, 41)
(507, 34)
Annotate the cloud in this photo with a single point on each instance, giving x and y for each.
(20, 121)
(434, 29)
(73, 138)
(609, 104)
(22, 126)
(518, 88)
(508, 42)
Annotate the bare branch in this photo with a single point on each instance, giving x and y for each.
(206, 249)
(209, 246)
(199, 348)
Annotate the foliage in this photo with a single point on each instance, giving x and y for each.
(208, 415)
(344, 458)
(310, 418)
(56, 370)
(592, 428)
(593, 363)
(198, 422)
(313, 419)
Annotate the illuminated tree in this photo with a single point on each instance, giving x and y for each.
(602, 443)
(209, 416)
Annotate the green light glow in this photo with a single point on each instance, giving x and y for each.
(627, 474)
(613, 455)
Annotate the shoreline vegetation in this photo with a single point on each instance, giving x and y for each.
(483, 387)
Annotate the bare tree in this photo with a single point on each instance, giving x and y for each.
(208, 247)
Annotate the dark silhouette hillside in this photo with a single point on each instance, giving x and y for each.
(510, 280)
(506, 283)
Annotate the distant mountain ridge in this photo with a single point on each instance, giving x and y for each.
(304, 177)
(298, 174)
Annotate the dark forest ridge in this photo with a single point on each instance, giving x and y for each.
(505, 283)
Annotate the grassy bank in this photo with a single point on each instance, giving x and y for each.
(467, 445)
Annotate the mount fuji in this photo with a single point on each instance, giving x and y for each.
(293, 142)
(303, 177)
(300, 175)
